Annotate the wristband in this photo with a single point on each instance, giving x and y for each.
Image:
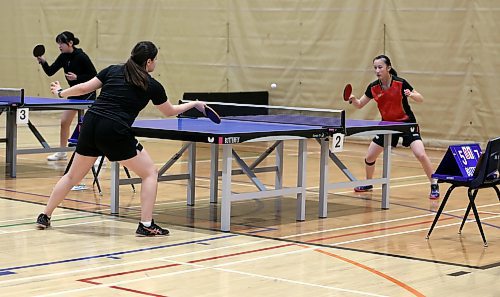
(59, 93)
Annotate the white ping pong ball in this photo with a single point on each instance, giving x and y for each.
(273, 86)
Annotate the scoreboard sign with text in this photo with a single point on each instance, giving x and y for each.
(459, 162)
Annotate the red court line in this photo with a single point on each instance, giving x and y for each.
(374, 271)
(375, 230)
(241, 253)
(138, 292)
(406, 287)
(90, 279)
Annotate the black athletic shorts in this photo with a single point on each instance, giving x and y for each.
(100, 136)
(407, 138)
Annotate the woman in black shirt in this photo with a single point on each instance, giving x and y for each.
(78, 68)
(106, 130)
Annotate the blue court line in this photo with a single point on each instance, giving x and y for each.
(115, 258)
(6, 271)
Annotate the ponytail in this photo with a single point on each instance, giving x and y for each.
(393, 72)
(66, 37)
(387, 62)
(135, 67)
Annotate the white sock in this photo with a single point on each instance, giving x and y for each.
(434, 181)
(146, 224)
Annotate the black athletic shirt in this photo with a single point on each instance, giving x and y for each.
(121, 101)
(77, 62)
(392, 103)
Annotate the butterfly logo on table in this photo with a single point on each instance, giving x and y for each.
(224, 140)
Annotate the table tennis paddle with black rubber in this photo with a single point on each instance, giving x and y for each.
(212, 115)
(38, 50)
(347, 92)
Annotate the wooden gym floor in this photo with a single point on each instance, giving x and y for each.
(359, 250)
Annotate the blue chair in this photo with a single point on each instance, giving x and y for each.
(72, 142)
(486, 175)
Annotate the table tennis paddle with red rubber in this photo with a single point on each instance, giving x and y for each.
(38, 50)
(212, 115)
(347, 92)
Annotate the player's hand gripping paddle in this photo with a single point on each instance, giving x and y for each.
(38, 50)
(347, 92)
(212, 115)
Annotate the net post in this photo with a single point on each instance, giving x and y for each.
(13, 96)
(342, 121)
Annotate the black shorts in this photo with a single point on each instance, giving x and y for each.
(407, 139)
(100, 136)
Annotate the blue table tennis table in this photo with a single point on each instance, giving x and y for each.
(12, 100)
(232, 132)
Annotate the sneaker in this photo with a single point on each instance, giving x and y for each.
(79, 187)
(367, 188)
(153, 230)
(434, 194)
(43, 221)
(57, 156)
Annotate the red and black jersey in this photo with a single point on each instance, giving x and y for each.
(392, 103)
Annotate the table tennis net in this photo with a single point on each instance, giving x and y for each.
(275, 114)
(12, 96)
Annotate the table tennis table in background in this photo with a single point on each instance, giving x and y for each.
(275, 129)
(12, 100)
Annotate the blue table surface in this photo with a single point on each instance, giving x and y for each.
(236, 126)
(204, 125)
(48, 101)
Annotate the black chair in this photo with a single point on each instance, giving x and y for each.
(72, 142)
(486, 175)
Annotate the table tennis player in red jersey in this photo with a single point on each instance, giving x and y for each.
(391, 94)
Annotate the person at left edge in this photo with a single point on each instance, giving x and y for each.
(78, 68)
